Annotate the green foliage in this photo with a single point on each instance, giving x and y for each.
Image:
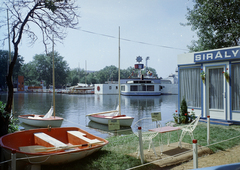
(74, 76)
(4, 59)
(183, 107)
(50, 5)
(184, 111)
(2, 106)
(108, 73)
(216, 24)
(13, 125)
(41, 69)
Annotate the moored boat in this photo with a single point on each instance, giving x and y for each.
(104, 117)
(51, 145)
(41, 120)
(47, 119)
(141, 85)
(138, 87)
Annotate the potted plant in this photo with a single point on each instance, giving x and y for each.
(192, 115)
(176, 117)
(203, 76)
(183, 119)
(226, 76)
(183, 111)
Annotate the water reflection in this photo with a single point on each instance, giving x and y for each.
(104, 128)
(74, 108)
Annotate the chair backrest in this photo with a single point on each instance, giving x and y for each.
(195, 122)
(146, 124)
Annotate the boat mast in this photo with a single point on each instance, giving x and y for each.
(53, 77)
(119, 88)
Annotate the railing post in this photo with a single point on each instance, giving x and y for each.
(195, 154)
(208, 130)
(140, 144)
(13, 160)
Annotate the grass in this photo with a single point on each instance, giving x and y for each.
(116, 155)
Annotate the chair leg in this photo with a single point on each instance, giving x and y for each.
(181, 138)
(138, 151)
(150, 143)
(153, 148)
(191, 134)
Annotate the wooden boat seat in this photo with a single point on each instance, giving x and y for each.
(79, 135)
(46, 140)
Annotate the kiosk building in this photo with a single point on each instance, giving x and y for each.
(210, 83)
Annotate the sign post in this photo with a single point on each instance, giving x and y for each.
(113, 125)
(156, 116)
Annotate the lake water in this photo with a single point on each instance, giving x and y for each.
(74, 108)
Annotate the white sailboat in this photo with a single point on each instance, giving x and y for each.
(103, 117)
(47, 119)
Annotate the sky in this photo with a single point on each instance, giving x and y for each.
(147, 28)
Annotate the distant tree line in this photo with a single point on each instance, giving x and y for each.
(40, 70)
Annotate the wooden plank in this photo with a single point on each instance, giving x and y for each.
(30, 149)
(48, 139)
(82, 136)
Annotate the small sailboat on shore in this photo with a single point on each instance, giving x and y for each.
(104, 117)
(47, 119)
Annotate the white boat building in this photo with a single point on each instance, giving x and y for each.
(209, 81)
(141, 87)
(107, 88)
(148, 86)
(170, 84)
(131, 87)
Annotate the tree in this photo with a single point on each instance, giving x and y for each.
(30, 74)
(75, 75)
(108, 73)
(52, 17)
(41, 69)
(216, 22)
(4, 59)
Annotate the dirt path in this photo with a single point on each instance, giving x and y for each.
(220, 158)
(175, 158)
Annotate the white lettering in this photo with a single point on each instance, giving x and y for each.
(203, 56)
(218, 55)
(209, 56)
(235, 53)
(226, 56)
(198, 57)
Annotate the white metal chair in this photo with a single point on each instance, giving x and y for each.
(146, 124)
(189, 129)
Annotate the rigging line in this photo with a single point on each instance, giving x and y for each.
(140, 42)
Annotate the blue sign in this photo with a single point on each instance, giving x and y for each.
(224, 54)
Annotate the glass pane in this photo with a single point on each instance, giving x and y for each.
(190, 86)
(150, 88)
(235, 82)
(134, 88)
(216, 88)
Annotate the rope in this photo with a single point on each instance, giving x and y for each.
(74, 123)
(5, 161)
(48, 156)
(184, 152)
